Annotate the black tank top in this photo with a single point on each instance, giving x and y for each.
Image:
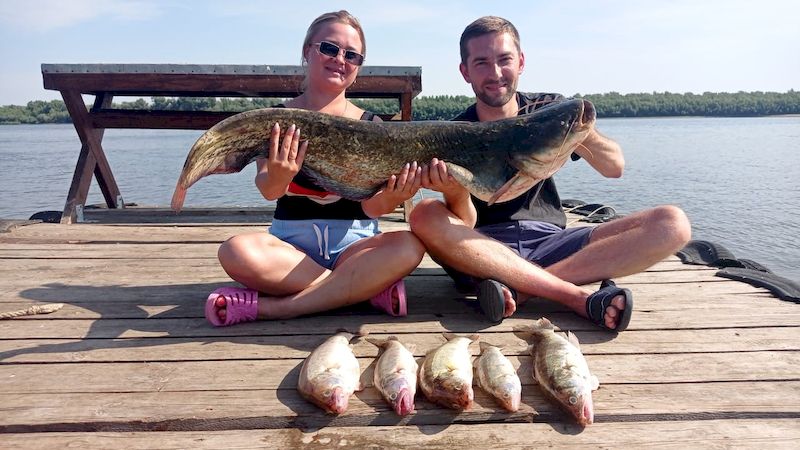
(305, 200)
(541, 203)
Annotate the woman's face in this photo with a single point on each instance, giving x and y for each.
(333, 73)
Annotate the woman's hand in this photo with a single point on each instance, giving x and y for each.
(284, 159)
(399, 188)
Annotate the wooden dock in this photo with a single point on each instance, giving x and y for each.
(130, 361)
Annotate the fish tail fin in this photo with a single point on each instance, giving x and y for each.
(573, 339)
(543, 324)
(178, 197)
(380, 343)
(485, 345)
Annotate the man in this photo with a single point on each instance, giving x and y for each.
(521, 248)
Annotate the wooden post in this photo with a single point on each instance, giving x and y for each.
(91, 160)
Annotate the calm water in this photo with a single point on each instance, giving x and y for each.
(738, 179)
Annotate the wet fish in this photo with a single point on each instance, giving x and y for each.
(330, 374)
(561, 370)
(396, 374)
(496, 161)
(445, 375)
(497, 376)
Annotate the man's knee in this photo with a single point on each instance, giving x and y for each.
(672, 223)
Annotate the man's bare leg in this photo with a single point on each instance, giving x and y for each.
(453, 243)
(626, 246)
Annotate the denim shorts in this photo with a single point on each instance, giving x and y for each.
(541, 243)
(323, 240)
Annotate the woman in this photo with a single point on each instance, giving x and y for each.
(322, 252)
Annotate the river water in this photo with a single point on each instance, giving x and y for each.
(738, 179)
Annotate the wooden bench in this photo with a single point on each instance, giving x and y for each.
(105, 81)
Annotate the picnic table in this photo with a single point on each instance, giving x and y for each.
(107, 81)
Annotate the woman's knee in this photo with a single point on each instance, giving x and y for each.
(238, 256)
(426, 215)
(407, 248)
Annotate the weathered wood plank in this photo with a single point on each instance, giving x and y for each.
(299, 346)
(282, 373)
(285, 407)
(679, 434)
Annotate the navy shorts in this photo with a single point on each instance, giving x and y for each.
(541, 243)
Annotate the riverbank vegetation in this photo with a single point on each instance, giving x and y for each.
(443, 107)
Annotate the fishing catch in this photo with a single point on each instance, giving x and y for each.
(396, 374)
(445, 375)
(330, 374)
(497, 376)
(561, 370)
(496, 161)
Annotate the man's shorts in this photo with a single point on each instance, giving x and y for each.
(541, 243)
(323, 240)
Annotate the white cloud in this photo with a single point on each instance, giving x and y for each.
(47, 15)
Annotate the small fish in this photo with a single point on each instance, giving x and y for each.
(330, 374)
(497, 376)
(445, 375)
(561, 370)
(396, 374)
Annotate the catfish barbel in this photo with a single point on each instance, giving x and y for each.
(496, 161)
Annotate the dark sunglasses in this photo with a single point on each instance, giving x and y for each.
(329, 49)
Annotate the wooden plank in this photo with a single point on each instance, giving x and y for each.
(172, 120)
(468, 321)
(285, 407)
(282, 373)
(221, 85)
(752, 433)
(298, 346)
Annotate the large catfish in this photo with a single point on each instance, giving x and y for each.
(497, 161)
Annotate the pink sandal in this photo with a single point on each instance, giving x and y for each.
(241, 306)
(383, 301)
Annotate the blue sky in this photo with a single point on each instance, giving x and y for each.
(571, 47)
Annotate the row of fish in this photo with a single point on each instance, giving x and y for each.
(331, 373)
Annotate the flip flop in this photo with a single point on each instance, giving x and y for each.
(597, 303)
(383, 301)
(491, 299)
(241, 306)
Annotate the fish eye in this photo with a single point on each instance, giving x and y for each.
(327, 393)
(573, 400)
(393, 396)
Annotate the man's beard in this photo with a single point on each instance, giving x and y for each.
(495, 101)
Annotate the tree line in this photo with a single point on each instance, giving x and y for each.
(444, 107)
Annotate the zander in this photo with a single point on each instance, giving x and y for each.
(497, 161)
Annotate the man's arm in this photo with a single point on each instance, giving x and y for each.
(603, 154)
(456, 197)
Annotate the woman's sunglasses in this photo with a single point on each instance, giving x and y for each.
(329, 49)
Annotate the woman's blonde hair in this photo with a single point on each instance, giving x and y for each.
(331, 17)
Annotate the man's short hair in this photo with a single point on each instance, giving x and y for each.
(486, 25)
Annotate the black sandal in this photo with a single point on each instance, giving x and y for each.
(597, 303)
(491, 299)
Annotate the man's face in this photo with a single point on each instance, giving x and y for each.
(493, 68)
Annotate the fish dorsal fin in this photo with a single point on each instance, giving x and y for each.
(573, 339)
(450, 336)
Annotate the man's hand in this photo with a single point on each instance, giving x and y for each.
(436, 178)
